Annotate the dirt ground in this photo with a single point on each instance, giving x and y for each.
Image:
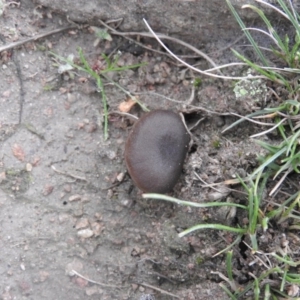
(73, 226)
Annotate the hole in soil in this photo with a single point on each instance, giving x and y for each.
(65, 203)
(193, 149)
(235, 221)
(192, 118)
(243, 248)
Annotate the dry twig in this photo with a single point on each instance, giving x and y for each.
(34, 38)
(99, 283)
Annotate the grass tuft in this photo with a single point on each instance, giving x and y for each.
(98, 76)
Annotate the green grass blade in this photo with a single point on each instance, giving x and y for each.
(290, 15)
(273, 32)
(268, 161)
(274, 76)
(226, 290)
(236, 241)
(247, 33)
(256, 289)
(229, 265)
(188, 203)
(212, 226)
(271, 148)
(267, 294)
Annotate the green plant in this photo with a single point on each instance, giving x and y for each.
(278, 161)
(276, 265)
(98, 76)
(283, 48)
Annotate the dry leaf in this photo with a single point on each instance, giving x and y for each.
(126, 106)
(18, 152)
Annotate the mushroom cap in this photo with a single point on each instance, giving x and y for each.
(155, 151)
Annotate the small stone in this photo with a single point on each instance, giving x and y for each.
(81, 282)
(71, 98)
(293, 290)
(120, 177)
(118, 242)
(22, 266)
(78, 212)
(74, 198)
(97, 228)
(62, 218)
(28, 167)
(91, 127)
(135, 252)
(82, 223)
(48, 189)
(67, 188)
(43, 276)
(110, 194)
(127, 202)
(85, 233)
(80, 125)
(111, 154)
(85, 198)
(141, 289)
(98, 216)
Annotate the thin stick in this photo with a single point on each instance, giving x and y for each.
(273, 7)
(280, 181)
(264, 32)
(228, 189)
(158, 289)
(34, 38)
(99, 283)
(190, 66)
(251, 120)
(269, 130)
(162, 36)
(67, 174)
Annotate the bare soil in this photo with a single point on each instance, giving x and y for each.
(73, 226)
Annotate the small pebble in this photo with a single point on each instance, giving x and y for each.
(127, 202)
(81, 282)
(120, 177)
(28, 167)
(82, 223)
(48, 189)
(85, 233)
(97, 228)
(67, 188)
(43, 276)
(74, 198)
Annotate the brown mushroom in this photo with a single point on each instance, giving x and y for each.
(155, 151)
